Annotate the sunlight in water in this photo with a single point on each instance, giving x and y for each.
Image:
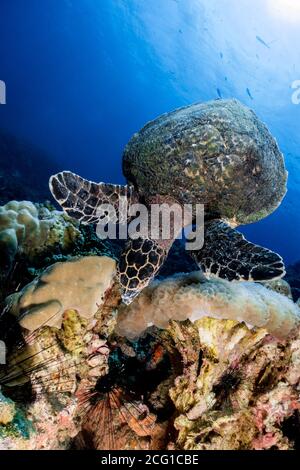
(288, 10)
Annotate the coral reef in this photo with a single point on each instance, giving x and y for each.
(243, 392)
(85, 392)
(192, 297)
(42, 374)
(117, 408)
(190, 364)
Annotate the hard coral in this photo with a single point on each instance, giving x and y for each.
(244, 392)
(78, 284)
(192, 297)
(209, 383)
(32, 230)
(49, 366)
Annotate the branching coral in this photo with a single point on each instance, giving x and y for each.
(192, 297)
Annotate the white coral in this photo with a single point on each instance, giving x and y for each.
(192, 297)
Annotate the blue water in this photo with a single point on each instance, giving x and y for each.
(83, 75)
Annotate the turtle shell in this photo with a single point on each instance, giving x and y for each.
(218, 154)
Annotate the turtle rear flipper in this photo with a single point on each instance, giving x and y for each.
(84, 200)
(228, 255)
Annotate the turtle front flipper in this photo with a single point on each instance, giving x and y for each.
(228, 255)
(139, 263)
(82, 199)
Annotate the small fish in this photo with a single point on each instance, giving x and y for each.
(219, 93)
(180, 31)
(221, 55)
(259, 39)
(249, 94)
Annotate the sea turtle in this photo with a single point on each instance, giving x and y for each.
(218, 154)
